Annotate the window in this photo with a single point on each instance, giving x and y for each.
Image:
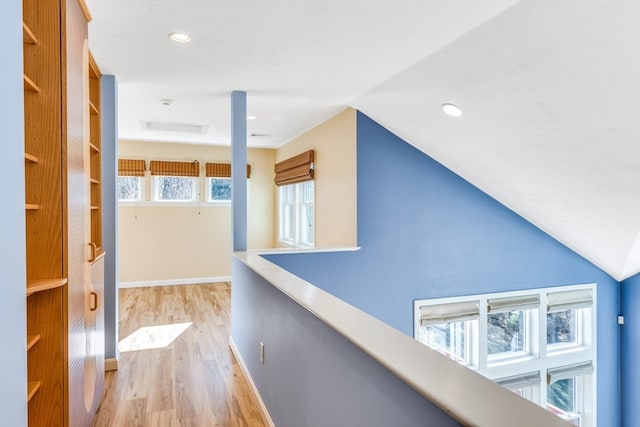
(296, 214)
(296, 199)
(130, 179)
(130, 188)
(539, 343)
(175, 189)
(218, 181)
(175, 181)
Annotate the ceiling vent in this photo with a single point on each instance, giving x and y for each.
(175, 127)
(257, 135)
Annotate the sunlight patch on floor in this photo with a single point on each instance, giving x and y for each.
(150, 337)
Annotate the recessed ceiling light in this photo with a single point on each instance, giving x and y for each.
(251, 117)
(452, 110)
(179, 37)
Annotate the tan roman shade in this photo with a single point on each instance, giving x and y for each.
(221, 170)
(130, 167)
(295, 169)
(175, 168)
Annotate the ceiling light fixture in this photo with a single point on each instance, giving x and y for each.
(452, 110)
(251, 117)
(179, 37)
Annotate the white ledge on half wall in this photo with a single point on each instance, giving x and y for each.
(296, 250)
(462, 393)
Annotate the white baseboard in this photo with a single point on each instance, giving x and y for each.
(172, 282)
(111, 364)
(245, 371)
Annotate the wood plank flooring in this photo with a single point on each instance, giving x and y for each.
(192, 382)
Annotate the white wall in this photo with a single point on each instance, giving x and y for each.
(13, 363)
(334, 142)
(160, 242)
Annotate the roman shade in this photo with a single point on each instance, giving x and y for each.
(296, 169)
(565, 372)
(221, 170)
(165, 168)
(524, 302)
(519, 381)
(567, 300)
(131, 167)
(452, 312)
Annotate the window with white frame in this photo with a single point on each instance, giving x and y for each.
(130, 182)
(296, 214)
(538, 343)
(175, 181)
(218, 182)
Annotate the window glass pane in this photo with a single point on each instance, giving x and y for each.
(175, 188)
(561, 397)
(449, 339)
(506, 332)
(562, 327)
(219, 188)
(129, 188)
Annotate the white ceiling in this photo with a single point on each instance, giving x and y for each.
(549, 91)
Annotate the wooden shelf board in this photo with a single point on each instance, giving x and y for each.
(27, 35)
(32, 340)
(95, 208)
(94, 181)
(31, 207)
(30, 85)
(94, 147)
(93, 108)
(34, 286)
(32, 388)
(31, 158)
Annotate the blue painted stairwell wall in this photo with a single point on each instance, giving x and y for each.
(425, 232)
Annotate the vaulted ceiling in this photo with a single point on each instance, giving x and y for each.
(548, 89)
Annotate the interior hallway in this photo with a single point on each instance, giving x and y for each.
(192, 381)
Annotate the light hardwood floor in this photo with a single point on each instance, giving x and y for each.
(193, 381)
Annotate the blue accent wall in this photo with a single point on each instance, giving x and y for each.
(425, 232)
(630, 298)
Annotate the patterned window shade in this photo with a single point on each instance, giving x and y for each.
(296, 169)
(175, 168)
(130, 167)
(221, 170)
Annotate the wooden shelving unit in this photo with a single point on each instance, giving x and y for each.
(95, 155)
(64, 379)
(44, 213)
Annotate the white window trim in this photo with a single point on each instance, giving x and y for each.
(538, 359)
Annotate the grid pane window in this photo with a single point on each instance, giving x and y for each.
(297, 214)
(538, 343)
